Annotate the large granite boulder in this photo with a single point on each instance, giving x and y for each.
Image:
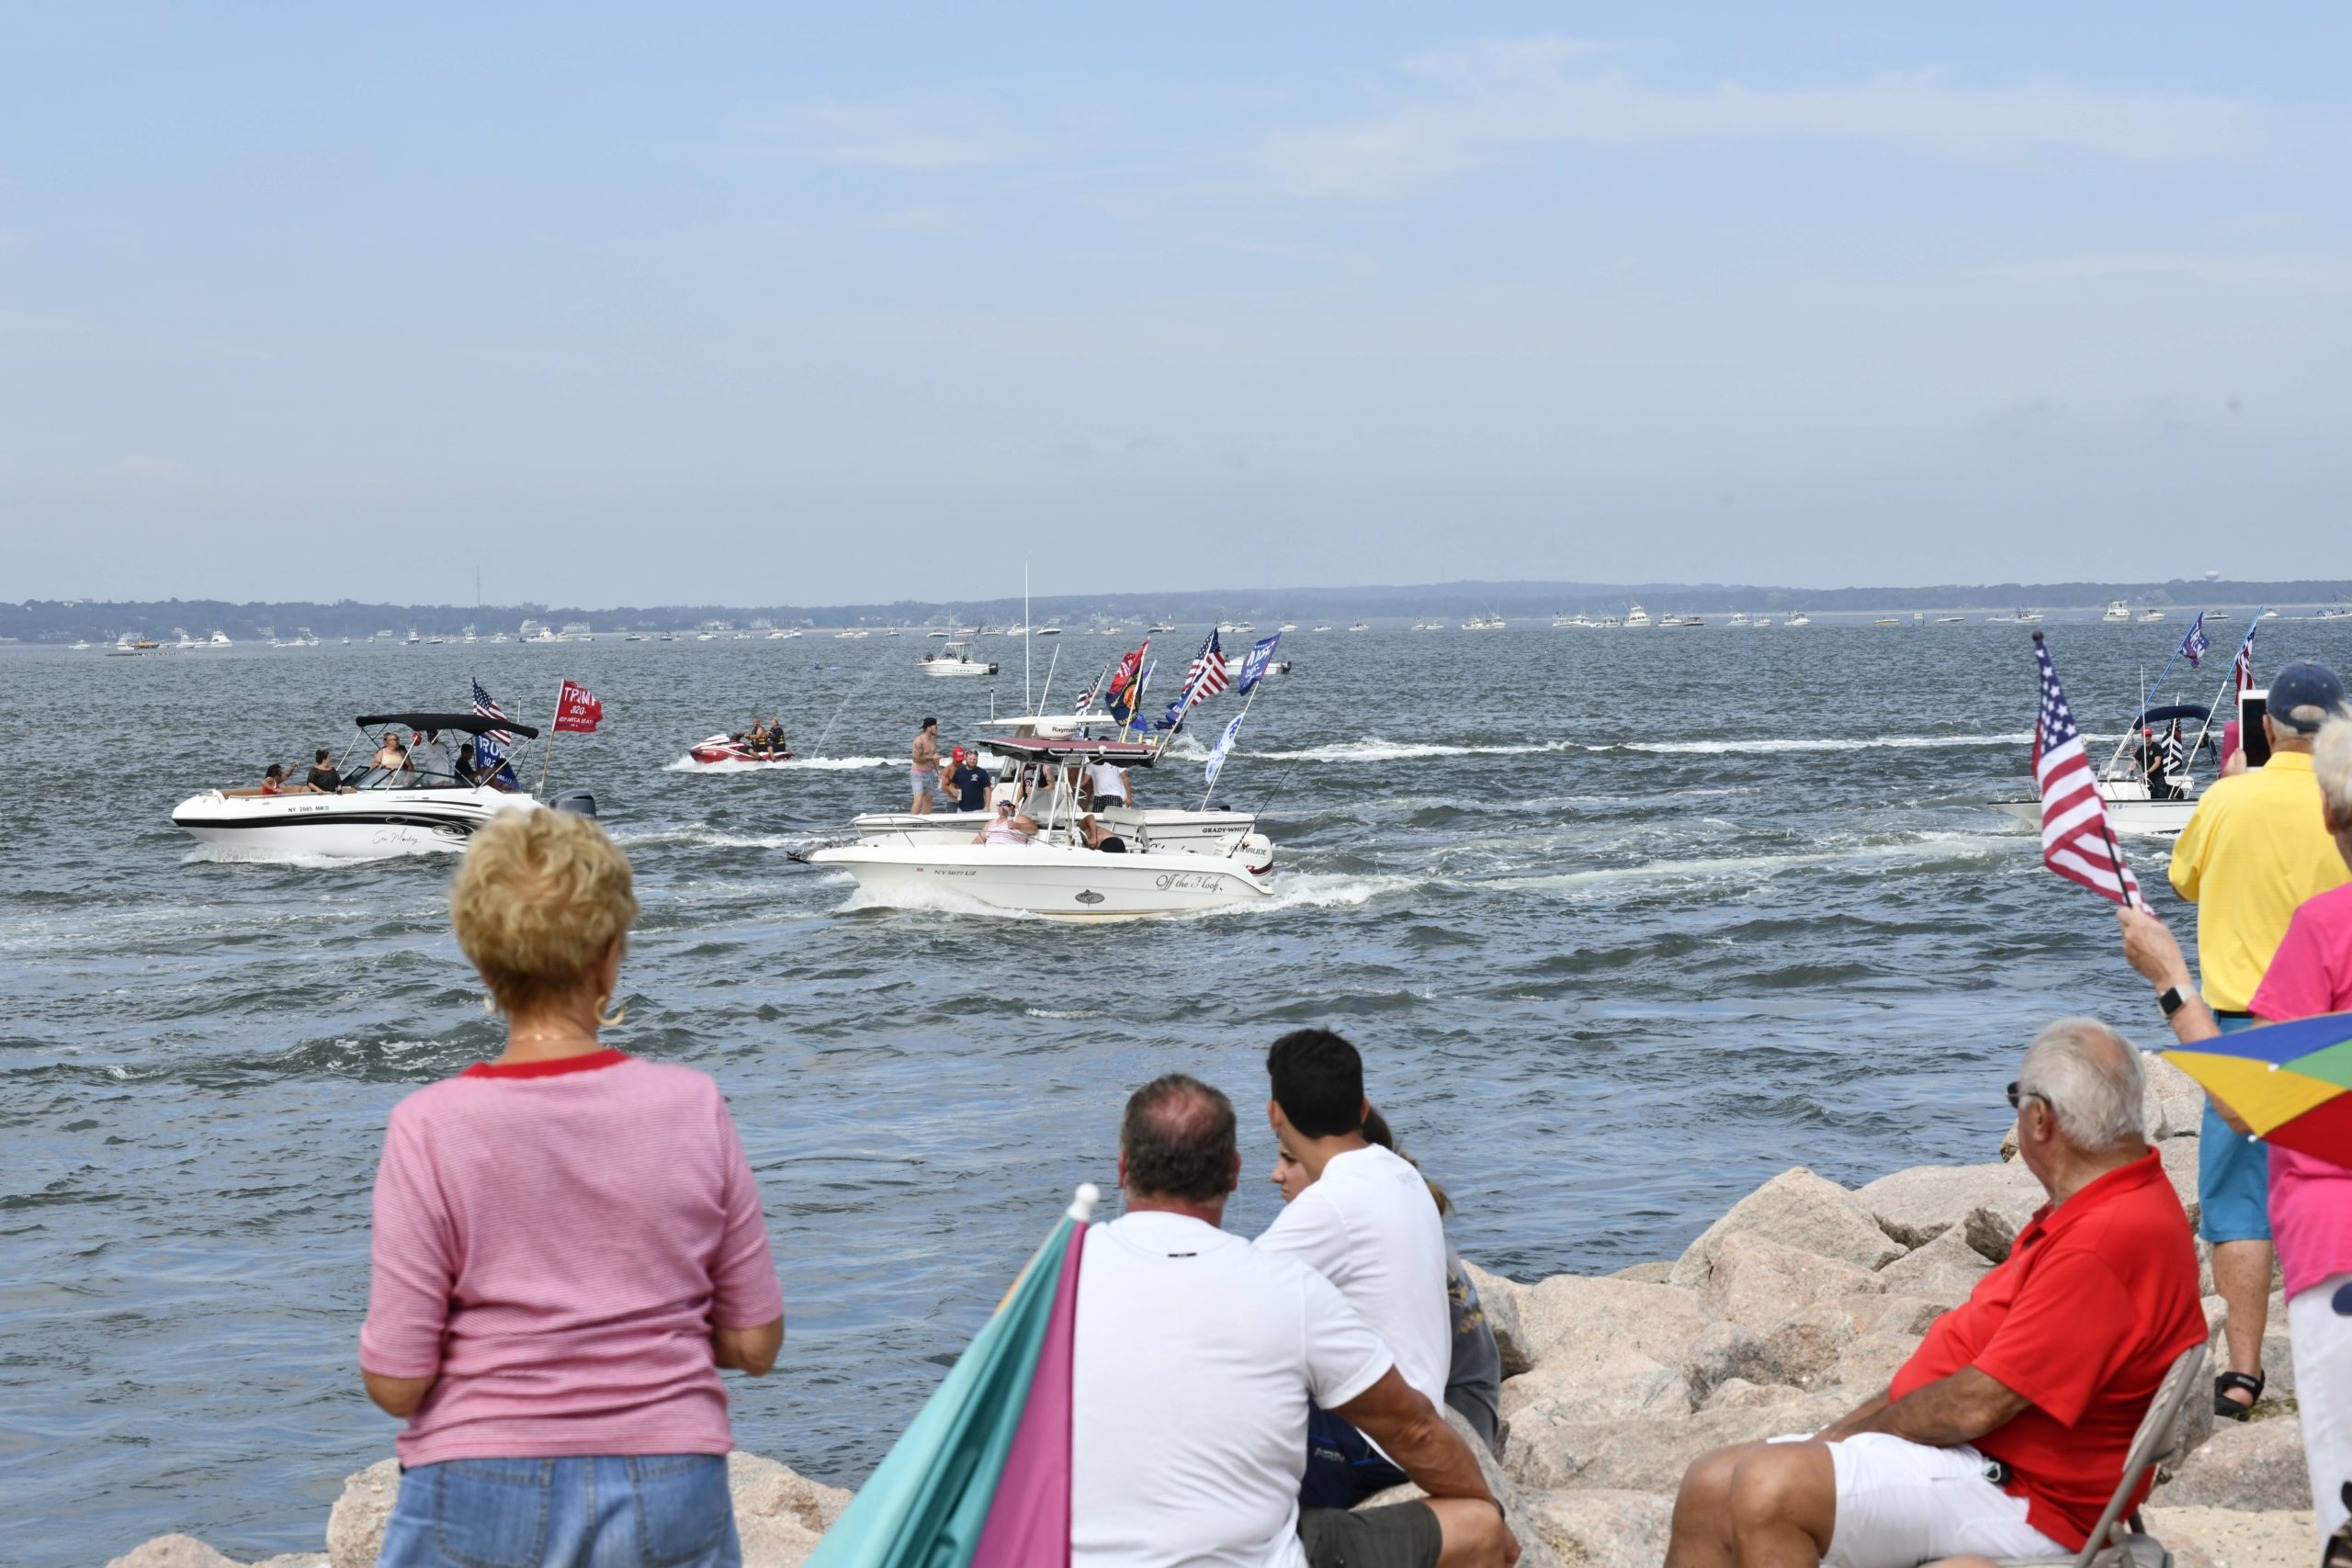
(1553, 1446)
(1499, 1298)
(1609, 1381)
(172, 1551)
(1798, 1209)
(1993, 1225)
(1808, 1343)
(1944, 1272)
(780, 1515)
(1760, 1284)
(1917, 1205)
(2175, 1105)
(1601, 1528)
(2252, 1465)
(2179, 1157)
(2228, 1538)
(1726, 1352)
(1572, 1320)
(356, 1528)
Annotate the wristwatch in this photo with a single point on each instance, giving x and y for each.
(2171, 1000)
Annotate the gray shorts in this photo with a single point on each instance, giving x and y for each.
(1403, 1535)
(926, 782)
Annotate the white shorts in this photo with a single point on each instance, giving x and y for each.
(2321, 1336)
(1900, 1504)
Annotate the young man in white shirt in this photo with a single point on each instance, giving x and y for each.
(1197, 1359)
(1368, 1227)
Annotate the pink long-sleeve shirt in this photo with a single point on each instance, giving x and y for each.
(554, 1242)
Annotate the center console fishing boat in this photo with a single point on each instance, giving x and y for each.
(379, 812)
(1054, 871)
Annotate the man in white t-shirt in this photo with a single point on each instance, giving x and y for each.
(1110, 782)
(1195, 1360)
(1367, 1225)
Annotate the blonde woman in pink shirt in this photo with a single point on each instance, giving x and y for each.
(568, 1247)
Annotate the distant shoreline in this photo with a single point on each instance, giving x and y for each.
(49, 622)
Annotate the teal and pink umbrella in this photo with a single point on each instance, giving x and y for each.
(981, 1478)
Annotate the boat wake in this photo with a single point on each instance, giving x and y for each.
(704, 838)
(234, 854)
(1923, 849)
(798, 764)
(1373, 748)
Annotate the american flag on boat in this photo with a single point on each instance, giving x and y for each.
(485, 709)
(2241, 672)
(1206, 678)
(2076, 840)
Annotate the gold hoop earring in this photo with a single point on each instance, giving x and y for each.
(613, 1019)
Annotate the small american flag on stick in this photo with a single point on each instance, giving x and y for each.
(2076, 840)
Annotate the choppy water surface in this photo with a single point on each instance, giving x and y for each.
(1625, 923)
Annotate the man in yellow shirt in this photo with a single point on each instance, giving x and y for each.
(2256, 846)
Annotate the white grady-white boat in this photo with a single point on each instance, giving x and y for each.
(380, 813)
(1211, 828)
(955, 659)
(1053, 872)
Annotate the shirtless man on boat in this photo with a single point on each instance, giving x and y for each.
(924, 773)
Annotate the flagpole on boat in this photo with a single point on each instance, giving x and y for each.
(1246, 702)
(547, 748)
(2245, 652)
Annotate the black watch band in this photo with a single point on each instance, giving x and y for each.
(2171, 1000)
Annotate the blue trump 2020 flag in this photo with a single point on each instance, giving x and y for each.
(1223, 745)
(2196, 645)
(1253, 668)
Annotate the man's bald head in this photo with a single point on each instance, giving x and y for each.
(1179, 1141)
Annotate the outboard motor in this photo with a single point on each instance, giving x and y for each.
(579, 802)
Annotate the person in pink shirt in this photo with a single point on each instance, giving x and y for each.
(568, 1247)
(2311, 1198)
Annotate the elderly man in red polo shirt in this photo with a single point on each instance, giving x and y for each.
(2005, 1434)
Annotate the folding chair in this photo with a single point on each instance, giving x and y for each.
(2163, 1437)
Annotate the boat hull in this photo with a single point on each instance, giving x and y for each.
(372, 825)
(955, 669)
(1054, 881)
(1187, 832)
(2128, 818)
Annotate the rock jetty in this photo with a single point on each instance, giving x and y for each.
(1795, 1306)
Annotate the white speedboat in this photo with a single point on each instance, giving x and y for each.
(1484, 624)
(380, 813)
(1799, 619)
(1360, 626)
(2117, 610)
(955, 659)
(1637, 616)
(1053, 874)
(1208, 828)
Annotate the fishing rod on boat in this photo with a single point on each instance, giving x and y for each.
(846, 696)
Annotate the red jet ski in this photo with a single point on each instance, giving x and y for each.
(734, 749)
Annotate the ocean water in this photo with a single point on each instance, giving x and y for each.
(1624, 923)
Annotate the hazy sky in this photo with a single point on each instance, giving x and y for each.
(720, 303)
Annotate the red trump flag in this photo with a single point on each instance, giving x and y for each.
(578, 710)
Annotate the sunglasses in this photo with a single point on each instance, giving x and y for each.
(2017, 1094)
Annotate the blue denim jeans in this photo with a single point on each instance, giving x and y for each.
(643, 1511)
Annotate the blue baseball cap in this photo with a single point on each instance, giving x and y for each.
(2304, 684)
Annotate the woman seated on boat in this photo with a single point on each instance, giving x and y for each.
(1008, 826)
(391, 755)
(777, 744)
(274, 781)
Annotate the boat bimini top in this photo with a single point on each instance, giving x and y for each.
(465, 723)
